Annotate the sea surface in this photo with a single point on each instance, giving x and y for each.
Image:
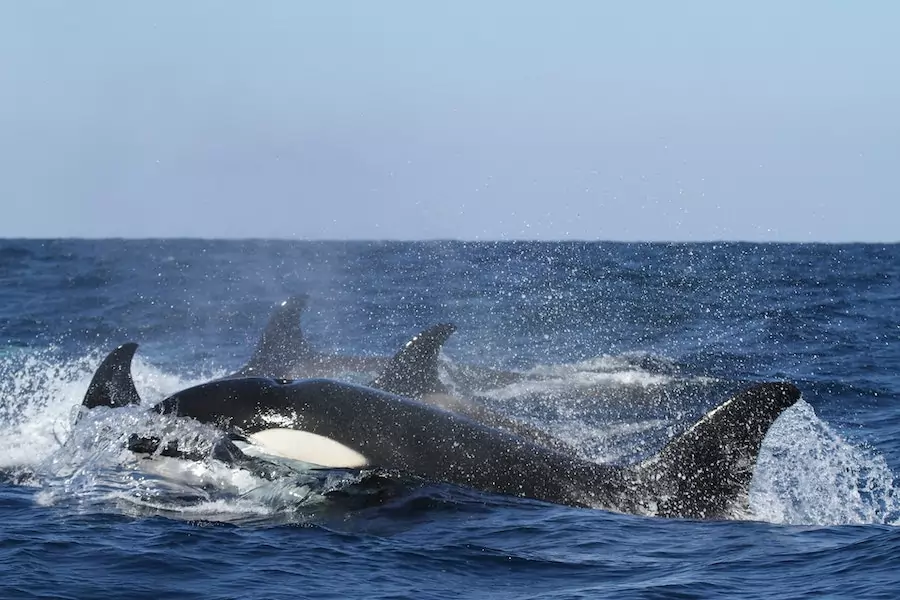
(627, 346)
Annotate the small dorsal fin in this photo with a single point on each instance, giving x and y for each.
(112, 384)
(707, 469)
(413, 371)
(281, 345)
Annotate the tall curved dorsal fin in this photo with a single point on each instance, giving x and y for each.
(112, 384)
(281, 344)
(413, 371)
(707, 469)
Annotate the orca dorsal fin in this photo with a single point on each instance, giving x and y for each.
(706, 471)
(281, 345)
(413, 371)
(112, 384)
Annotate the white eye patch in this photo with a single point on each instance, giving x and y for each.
(308, 447)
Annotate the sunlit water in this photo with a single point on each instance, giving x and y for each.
(623, 345)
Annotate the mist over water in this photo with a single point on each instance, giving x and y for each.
(621, 346)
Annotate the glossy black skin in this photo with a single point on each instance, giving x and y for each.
(706, 471)
(703, 473)
(405, 435)
(700, 474)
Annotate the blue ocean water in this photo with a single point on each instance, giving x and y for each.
(633, 343)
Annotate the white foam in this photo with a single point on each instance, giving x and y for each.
(563, 383)
(87, 465)
(39, 397)
(807, 474)
(559, 380)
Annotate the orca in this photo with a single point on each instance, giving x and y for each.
(413, 372)
(284, 353)
(112, 384)
(702, 474)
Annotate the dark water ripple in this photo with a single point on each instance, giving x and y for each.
(530, 556)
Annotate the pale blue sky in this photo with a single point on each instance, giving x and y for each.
(468, 120)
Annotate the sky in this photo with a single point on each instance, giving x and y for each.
(587, 120)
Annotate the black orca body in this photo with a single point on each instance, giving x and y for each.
(357, 427)
(704, 473)
(283, 353)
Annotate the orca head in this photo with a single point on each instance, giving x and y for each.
(112, 384)
(274, 417)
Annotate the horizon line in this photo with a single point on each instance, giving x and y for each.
(440, 240)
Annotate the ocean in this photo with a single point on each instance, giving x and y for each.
(625, 344)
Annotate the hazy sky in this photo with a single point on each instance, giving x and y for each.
(474, 120)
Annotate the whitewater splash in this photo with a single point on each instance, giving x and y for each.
(88, 464)
(806, 473)
(564, 380)
(40, 394)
